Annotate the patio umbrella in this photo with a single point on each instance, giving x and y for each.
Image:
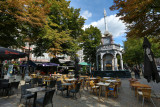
(150, 69)
(31, 63)
(7, 54)
(50, 64)
(84, 63)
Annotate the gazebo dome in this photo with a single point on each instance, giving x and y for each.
(106, 33)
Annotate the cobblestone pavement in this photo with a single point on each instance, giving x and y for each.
(126, 98)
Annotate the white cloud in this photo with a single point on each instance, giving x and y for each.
(86, 14)
(115, 26)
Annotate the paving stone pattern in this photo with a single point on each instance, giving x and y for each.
(126, 98)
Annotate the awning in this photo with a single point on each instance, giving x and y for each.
(7, 54)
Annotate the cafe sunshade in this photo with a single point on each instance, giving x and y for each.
(7, 54)
(30, 63)
(150, 69)
(50, 64)
(84, 63)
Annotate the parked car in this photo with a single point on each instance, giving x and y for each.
(158, 68)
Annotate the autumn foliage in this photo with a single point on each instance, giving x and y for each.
(141, 16)
(32, 12)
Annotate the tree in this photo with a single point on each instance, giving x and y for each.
(90, 40)
(141, 16)
(17, 16)
(62, 30)
(134, 53)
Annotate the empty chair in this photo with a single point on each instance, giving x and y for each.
(146, 93)
(34, 81)
(52, 84)
(14, 87)
(4, 85)
(112, 89)
(93, 86)
(47, 99)
(25, 94)
(76, 90)
(40, 82)
(60, 87)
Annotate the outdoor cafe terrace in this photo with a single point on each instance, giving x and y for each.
(65, 91)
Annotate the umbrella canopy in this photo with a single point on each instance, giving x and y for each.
(31, 63)
(49, 64)
(150, 69)
(84, 63)
(7, 54)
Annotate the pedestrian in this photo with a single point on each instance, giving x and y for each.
(136, 72)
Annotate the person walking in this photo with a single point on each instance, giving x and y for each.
(136, 72)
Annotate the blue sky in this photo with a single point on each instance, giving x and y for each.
(93, 12)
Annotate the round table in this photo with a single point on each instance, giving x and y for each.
(67, 84)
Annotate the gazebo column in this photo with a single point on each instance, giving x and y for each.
(101, 62)
(121, 60)
(115, 62)
(97, 61)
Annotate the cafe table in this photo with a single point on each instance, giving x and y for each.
(35, 90)
(83, 77)
(111, 81)
(56, 74)
(138, 85)
(106, 77)
(67, 84)
(69, 80)
(100, 84)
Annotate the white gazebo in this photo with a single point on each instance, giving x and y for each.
(107, 52)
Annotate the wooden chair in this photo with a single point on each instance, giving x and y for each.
(112, 89)
(118, 83)
(99, 78)
(93, 86)
(86, 84)
(146, 93)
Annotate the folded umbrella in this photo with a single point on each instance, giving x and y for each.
(150, 69)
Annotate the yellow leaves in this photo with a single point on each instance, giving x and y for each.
(139, 15)
(33, 12)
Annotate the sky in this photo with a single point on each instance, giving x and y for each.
(93, 12)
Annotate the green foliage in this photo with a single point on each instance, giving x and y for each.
(134, 53)
(15, 15)
(51, 25)
(62, 30)
(90, 40)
